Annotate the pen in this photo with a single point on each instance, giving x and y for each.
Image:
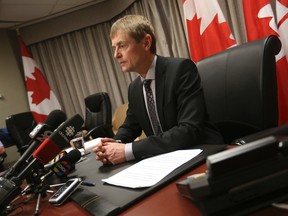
(56, 185)
(88, 183)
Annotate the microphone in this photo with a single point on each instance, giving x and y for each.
(38, 135)
(64, 163)
(53, 120)
(52, 146)
(47, 151)
(8, 191)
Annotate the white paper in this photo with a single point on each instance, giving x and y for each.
(150, 171)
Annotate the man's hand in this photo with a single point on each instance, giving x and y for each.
(2, 150)
(109, 151)
(114, 152)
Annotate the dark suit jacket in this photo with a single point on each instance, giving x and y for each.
(181, 109)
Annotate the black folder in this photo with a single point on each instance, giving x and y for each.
(108, 199)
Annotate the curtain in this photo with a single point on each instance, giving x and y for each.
(81, 63)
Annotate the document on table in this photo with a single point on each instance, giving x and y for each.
(150, 171)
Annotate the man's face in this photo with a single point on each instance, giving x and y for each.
(128, 52)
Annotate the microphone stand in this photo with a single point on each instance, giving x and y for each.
(41, 192)
(36, 212)
(37, 187)
(41, 187)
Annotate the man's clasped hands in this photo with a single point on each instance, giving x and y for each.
(109, 151)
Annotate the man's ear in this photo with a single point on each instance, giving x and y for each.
(147, 41)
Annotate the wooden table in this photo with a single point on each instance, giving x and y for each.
(166, 201)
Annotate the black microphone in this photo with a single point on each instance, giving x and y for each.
(38, 135)
(8, 191)
(48, 150)
(63, 163)
(54, 119)
(52, 146)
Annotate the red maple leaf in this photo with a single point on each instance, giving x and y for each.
(39, 86)
(216, 37)
(257, 27)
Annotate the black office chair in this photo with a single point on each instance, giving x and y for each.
(240, 88)
(19, 126)
(98, 117)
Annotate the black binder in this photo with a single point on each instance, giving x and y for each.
(111, 200)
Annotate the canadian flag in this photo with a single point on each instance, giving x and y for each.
(260, 22)
(40, 97)
(282, 23)
(208, 31)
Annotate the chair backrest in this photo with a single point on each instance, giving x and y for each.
(240, 87)
(98, 110)
(19, 127)
(119, 117)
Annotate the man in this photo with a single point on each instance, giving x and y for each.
(176, 91)
(2, 148)
(2, 156)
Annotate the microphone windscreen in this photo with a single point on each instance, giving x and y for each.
(46, 151)
(59, 139)
(65, 163)
(72, 157)
(55, 118)
(56, 159)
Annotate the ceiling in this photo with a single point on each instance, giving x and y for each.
(18, 13)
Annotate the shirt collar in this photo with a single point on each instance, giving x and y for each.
(151, 71)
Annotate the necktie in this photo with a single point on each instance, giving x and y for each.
(151, 107)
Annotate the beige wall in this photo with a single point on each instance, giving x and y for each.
(12, 86)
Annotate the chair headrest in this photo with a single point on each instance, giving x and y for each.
(95, 101)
